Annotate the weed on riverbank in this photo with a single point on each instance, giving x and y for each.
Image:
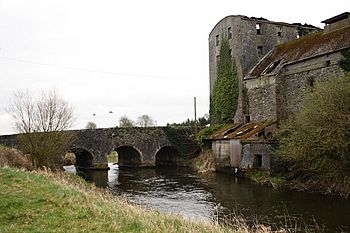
(205, 162)
(48, 202)
(42, 201)
(264, 178)
(14, 158)
(326, 186)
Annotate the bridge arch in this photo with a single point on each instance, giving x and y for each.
(167, 156)
(83, 158)
(128, 156)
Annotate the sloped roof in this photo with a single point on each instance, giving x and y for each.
(305, 47)
(239, 131)
(223, 131)
(337, 18)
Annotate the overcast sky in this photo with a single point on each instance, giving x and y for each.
(130, 57)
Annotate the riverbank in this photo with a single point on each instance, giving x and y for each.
(326, 186)
(330, 186)
(57, 202)
(47, 202)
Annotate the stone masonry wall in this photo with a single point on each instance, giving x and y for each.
(101, 142)
(298, 78)
(261, 94)
(245, 41)
(247, 46)
(251, 150)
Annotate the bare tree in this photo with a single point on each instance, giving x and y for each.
(90, 125)
(124, 121)
(40, 124)
(145, 121)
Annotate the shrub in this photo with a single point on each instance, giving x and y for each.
(316, 141)
(70, 159)
(14, 158)
(41, 123)
(206, 132)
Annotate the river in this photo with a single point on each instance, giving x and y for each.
(217, 196)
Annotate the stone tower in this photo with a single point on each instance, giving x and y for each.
(250, 39)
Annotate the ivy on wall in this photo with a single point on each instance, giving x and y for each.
(344, 63)
(225, 94)
(183, 140)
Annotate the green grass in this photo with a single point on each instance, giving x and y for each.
(47, 202)
(42, 201)
(264, 178)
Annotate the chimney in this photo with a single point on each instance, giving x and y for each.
(336, 22)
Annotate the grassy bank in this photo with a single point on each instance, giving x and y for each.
(326, 186)
(48, 202)
(38, 202)
(264, 178)
(205, 162)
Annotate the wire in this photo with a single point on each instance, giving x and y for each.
(78, 69)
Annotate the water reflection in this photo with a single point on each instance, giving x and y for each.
(209, 196)
(165, 189)
(98, 177)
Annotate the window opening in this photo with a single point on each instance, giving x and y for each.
(257, 161)
(279, 32)
(311, 82)
(229, 33)
(258, 29)
(217, 40)
(260, 51)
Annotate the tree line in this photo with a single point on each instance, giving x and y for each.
(125, 122)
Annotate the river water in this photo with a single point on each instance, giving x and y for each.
(217, 196)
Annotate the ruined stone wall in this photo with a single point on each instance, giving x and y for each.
(271, 34)
(276, 97)
(220, 30)
(247, 46)
(261, 93)
(337, 25)
(250, 153)
(300, 77)
(245, 41)
(230, 154)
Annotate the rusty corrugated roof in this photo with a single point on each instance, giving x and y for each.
(305, 47)
(220, 133)
(239, 131)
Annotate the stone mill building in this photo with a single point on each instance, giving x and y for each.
(276, 64)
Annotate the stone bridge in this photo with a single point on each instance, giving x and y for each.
(136, 146)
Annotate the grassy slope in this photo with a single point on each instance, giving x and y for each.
(32, 202)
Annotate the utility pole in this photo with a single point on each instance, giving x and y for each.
(195, 109)
(195, 115)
